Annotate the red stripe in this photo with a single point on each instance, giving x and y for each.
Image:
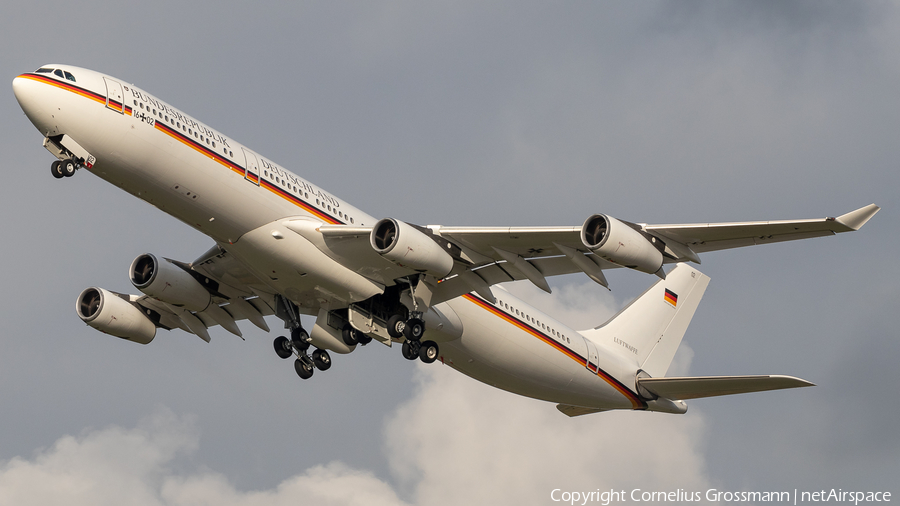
(636, 402)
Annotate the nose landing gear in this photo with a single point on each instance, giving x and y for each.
(63, 168)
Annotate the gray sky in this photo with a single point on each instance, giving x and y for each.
(468, 114)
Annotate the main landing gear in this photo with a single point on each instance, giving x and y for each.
(426, 351)
(63, 168)
(306, 363)
(298, 345)
(413, 329)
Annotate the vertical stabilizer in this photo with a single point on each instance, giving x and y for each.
(650, 329)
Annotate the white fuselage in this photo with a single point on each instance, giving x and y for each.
(241, 199)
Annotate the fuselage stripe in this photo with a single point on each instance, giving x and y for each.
(636, 402)
(66, 86)
(187, 141)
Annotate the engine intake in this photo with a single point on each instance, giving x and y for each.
(168, 282)
(616, 242)
(114, 314)
(407, 246)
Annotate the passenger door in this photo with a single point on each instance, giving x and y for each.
(251, 167)
(593, 360)
(115, 99)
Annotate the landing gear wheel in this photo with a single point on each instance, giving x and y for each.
(350, 335)
(414, 329)
(428, 352)
(395, 326)
(304, 368)
(300, 339)
(283, 347)
(363, 339)
(410, 350)
(321, 359)
(67, 167)
(56, 170)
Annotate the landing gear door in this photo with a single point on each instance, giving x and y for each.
(115, 99)
(593, 360)
(251, 167)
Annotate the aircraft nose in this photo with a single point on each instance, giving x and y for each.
(27, 94)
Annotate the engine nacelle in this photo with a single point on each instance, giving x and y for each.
(614, 241)
(407, 246)
(112, 314)
(168, 282)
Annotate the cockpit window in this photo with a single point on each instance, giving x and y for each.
(58, 72)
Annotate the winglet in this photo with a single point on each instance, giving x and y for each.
(856, 219)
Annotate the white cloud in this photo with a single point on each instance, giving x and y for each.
(455, 441)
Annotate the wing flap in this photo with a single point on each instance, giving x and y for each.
(570, 411)
(713, 386)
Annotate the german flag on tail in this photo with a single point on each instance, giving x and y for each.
(671, 297)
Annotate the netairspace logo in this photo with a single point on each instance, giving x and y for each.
(607, 497)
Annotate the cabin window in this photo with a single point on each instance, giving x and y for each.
(351, 220)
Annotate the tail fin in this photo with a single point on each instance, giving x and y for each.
(652, 326)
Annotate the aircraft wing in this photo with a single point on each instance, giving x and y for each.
(536, 242)
(224, 314)
(234, 295)
(500, 254)
(704, 237)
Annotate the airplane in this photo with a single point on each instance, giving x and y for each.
(285, 247)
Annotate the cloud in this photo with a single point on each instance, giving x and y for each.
(454, 441)
(139, 467)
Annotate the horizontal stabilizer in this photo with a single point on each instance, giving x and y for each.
(713, 386)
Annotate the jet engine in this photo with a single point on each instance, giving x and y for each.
(407, 246)
(168, 282)
(617, 242)
(114, 314)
